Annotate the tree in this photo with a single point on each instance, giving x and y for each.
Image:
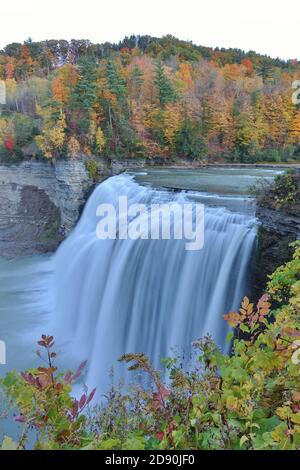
(190, 142)
(135, 82)
(166, 91)
(53, 138)
(84, 93)
(73, 147)
(100, 140)
(10, 68)
(247, 63)
(116, 84)
(172, 123)
(64, 83)
(295, 128)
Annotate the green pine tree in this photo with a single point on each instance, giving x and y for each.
(166, 91)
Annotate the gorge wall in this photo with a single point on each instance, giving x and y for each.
(277, 230)
(41, 202)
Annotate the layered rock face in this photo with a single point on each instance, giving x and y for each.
(277, 230)
(39, 204)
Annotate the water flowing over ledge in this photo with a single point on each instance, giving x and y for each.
(119, 296)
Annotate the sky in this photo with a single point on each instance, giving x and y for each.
(266, 26)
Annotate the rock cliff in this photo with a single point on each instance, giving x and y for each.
(40, 203)
(276, 232)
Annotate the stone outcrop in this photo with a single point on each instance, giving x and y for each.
(278, 211)
(40, 203)
(277, 230)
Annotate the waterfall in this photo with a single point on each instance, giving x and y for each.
(120, 296)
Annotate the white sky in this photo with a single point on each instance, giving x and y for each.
(266, 26)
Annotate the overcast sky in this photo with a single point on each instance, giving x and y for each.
(266, 26)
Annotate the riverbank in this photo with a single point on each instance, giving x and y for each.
(193, 165)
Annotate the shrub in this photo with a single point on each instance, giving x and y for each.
(92, 169)
(282, 194)
(43, 398)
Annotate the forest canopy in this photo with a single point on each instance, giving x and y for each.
(158, 98)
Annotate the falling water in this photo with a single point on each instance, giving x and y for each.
(120, 296)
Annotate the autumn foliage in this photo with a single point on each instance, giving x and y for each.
(9, 143)
(147, 97)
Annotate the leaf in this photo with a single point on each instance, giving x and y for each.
(82, 401)
(243, 313)
(28, 378)
(244, 328)
(68, 377)
(231, 403)
(91, 396)
(295, 418)
(135, 443)
(9, 444)
(109, 444)
(19, 419)
(296, 357)
(229, 337)
(296, 396)
(268, 424)
(74, 409)
(233, 319)
(79, 370)
(46, 341)
(44, 380)
(243, 440)
(255, 425)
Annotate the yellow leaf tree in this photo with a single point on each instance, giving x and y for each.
(100, 139)
(53, 137)
(73, 147)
